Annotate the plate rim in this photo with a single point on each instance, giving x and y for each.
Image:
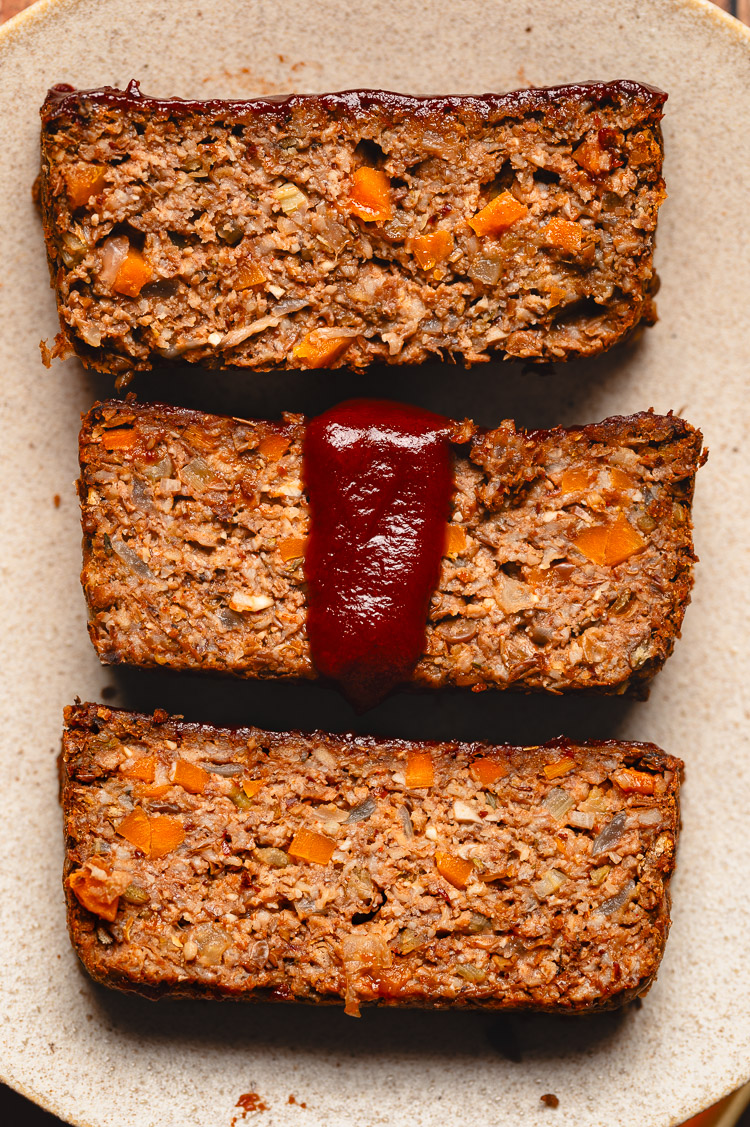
(25, 23)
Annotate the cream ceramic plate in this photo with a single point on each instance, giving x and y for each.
(99, 1058)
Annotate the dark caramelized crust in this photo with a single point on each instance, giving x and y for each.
(568, 561)
(243, 229)
(327, 868)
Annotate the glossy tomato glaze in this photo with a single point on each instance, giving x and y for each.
(379, 478)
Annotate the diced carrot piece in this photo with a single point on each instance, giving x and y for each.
(454, 869)
(310, 846)
(121, 439)
(621, 481)
(559, 767)
(83, 183)
(143, 769)
(153, 836)
(274, 446)
(609, 544)
(92, 892)
(576, 479)
(133, 274)
(252, 787)
(455, 541)
(155, 792)
(317, 351)
(565, 235)
(432, 247)
(635, 782)
(420, 771)
(487, 771)
(536, 575)
(248, 274)
(136, 828)
(593, 158)
(293, 548)
(166, 834)
(188, 776)
(498, 215)
(370, 197)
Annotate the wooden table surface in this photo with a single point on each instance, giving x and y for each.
(14, 1109)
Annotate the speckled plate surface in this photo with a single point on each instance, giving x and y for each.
(98, 1058)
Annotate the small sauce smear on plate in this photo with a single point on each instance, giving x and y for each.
(249, 1101)
(379, 476)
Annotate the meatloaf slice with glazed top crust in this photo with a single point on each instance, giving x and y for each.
(568, 559)
(261, 865)
(342, 229)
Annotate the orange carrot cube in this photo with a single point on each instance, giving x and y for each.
(274, 446)
(565, 235)
(499, 214)
(455, 541)
(293, 548)
(316, 351)
(609, 544)
(143, 769)
(133, 274)
(136, 829)
(635, 782)
(83, 183)
(252, 787)
(153, 836)
(92, 892)
(576, 479)
(248, 274)
(370, 197)
(310, 846)
(154, 791)
(189, 776)
(420, 771)
(487, 771)
(431, 248)
(620, 481)
(166, 834)
(120, 439)
(454, 869)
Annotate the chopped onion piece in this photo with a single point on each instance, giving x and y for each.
(648, 817)
(129, 557)
(252, 603)
(610, 835)
(550, 882)
(486, 269)
(558, 802)
(584, 819)
(113, 252)
(470, 972)
(290, 197)
(464, 812)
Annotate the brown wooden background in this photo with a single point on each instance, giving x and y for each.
(14, 1109)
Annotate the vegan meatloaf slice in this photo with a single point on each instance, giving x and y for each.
(247, 864)
(341, 229)
(568, 559)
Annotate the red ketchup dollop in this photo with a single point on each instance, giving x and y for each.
(379, 477)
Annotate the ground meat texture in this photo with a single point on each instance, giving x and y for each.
(342, 229)
(339, 868)
(568, 558)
